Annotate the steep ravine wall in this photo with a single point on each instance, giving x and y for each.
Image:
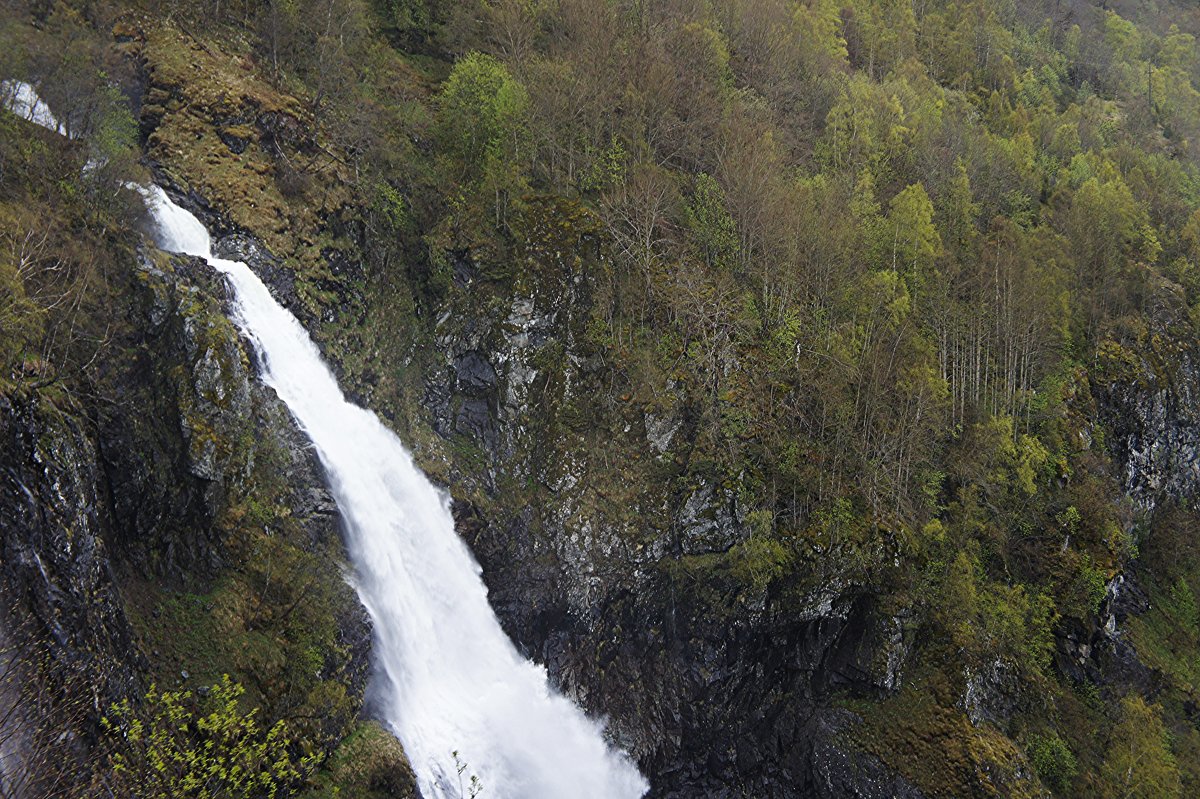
(715, 689)
(612, 553)
(117, 506)
(578, 507)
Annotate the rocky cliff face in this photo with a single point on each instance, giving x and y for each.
(68, 646)
(611, 557)
(113, 504)
(1148, 387)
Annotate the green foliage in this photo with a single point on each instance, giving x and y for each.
(1053, 760)
(1139, 763)
(607, 171)
(1093, 586)
(759, 560)
(21, 318)
(712, 225)
(914, 238)
(114, 130)
(369, 764)
(56, 254)
(482, 121)
(1184, 608)
(820, 26)
(1017, 626)
(177, 745)
(481, 113)
(392, 207)
(865, 128)
(406, 16)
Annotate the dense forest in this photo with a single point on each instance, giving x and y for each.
(901, 296)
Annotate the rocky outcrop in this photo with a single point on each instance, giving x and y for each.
(227, 444)
(143, 485)
(56, 579)
(66, 646)
(1095, 651)
(1147, 386)
(629, 571)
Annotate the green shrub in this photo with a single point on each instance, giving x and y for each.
(178, 745)
(1052, 759)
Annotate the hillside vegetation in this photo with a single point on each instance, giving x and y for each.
(893, 266)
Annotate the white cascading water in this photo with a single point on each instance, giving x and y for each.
(452, 680)
(22, 99)
(449, 680)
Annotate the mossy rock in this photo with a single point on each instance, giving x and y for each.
(370, 764)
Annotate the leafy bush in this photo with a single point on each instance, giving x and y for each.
(1052, 759)
(180, 745)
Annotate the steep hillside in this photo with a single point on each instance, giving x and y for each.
(814, 380)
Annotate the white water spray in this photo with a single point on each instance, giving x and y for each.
(449, 678)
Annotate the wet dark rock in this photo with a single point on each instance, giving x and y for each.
(711, 705)
(236, 144)
(1147, 395)
(463, 269)
(476, 420)
(250, 251)
(160, 483)
(992, 693)
(708, 522)
(1095, 650)
(280, 131)
(475, 374)
(55, 566)
(342, 266)
(214, 218)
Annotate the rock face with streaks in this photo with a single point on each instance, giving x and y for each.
(645, 594)
(1148, 391)
(58, 584)
(143, 479)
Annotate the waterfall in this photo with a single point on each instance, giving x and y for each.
(22, 99)
(447, 677)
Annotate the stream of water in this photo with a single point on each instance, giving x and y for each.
(446, 676)
(449, 678)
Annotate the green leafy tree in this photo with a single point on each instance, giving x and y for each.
(1053, 760)
(1139, 763)
(820, 26)
(405, 16)
(711, 224)
(865, 128)
(914, 238)
(178, 745)
(482, 119)
(1106, 225)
